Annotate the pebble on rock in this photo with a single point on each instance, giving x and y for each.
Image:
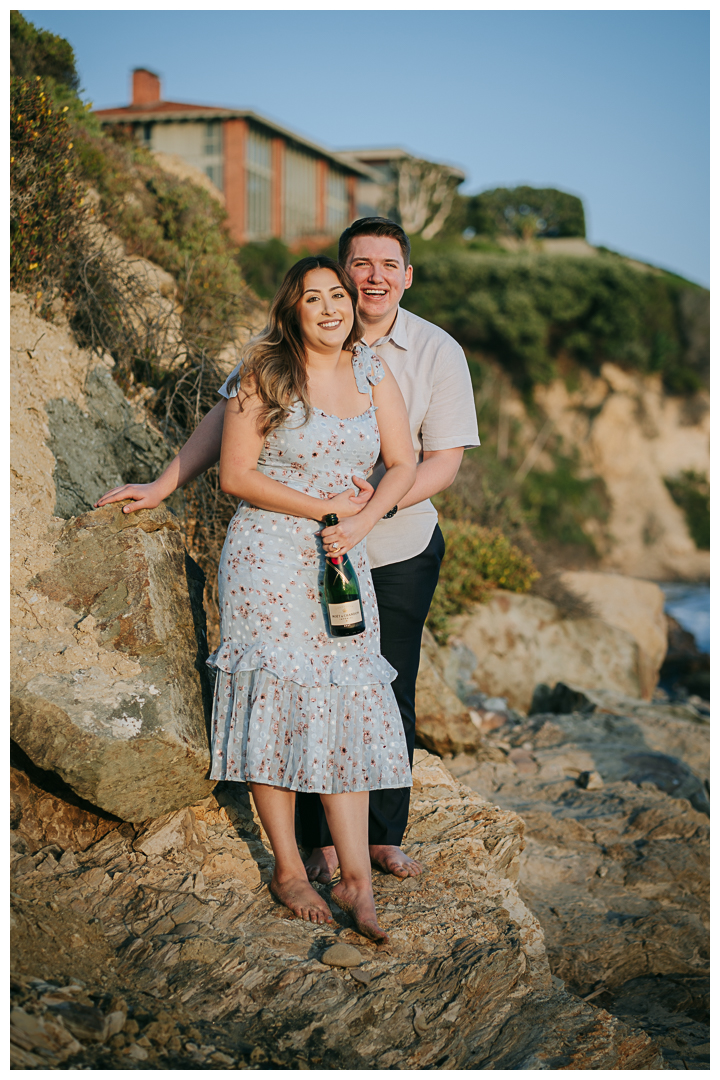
(345, 956)
(592, 781)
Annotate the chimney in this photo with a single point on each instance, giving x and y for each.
(145, 87)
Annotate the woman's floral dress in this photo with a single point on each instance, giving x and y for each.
(295, 707)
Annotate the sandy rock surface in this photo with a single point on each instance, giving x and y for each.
(189, 944)
(509, 644)
(616, 871)
(633, 605)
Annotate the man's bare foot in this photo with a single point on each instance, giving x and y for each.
(321, 865)
(299, 895)
(356, 898)
(394, 861)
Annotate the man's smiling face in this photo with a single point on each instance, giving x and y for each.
(375, 263)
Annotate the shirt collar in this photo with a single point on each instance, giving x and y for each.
(398, 333)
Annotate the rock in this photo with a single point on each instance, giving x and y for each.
(172, 832)
(36, 1041)
(632, 605)
(619, 875)
(685, 668)
(668, 774)
(467, 963)
(103, 445)
(518, 641)
(341, 955)
(137, 1053)
(83, 1021)
(39, 818)
(591, 781)
(131, 741)
(363, 977)
(444, 724)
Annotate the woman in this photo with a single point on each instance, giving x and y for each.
(296, 709)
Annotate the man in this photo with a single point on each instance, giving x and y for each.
(405, 550)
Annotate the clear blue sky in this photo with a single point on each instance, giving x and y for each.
(610, 105)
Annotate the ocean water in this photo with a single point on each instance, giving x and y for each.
(690, 605)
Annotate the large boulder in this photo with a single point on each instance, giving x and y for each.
(509, 644)
(444, 725)
(633, 605)
(112, 701)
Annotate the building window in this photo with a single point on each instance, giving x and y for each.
(213, 138)
(258, 164)
(337, 206)
(215, 172)
(299, 194)
(146, 135)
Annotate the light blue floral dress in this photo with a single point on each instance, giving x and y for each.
(295, 707)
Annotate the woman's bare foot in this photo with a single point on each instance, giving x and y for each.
(321, 865)
(394, 861)
(299, 895)
(356, 898)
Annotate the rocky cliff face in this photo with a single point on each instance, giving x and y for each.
(107, 651)
(633, 435)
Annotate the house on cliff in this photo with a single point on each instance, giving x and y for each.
(275, 182)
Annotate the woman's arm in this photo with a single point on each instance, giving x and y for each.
(199, 453)
(398, 456)
(242, 442)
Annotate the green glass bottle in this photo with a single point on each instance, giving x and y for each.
(342, 593)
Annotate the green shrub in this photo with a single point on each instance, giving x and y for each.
(531, 310)
(265, 264)
(691, 491)
(46, 196)
(477, 560)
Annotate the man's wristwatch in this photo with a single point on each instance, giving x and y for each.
(391, 513)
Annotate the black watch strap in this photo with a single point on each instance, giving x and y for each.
(391, 513)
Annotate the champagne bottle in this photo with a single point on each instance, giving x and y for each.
(342, 593)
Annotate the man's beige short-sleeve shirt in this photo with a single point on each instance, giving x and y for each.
(432, 373)
(433, 376)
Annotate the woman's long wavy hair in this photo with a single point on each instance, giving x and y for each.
(273, 365)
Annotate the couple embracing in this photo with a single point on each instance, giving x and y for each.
(345, 404)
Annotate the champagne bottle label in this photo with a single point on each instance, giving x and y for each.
(345, 614)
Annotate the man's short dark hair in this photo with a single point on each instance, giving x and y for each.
(373, 226)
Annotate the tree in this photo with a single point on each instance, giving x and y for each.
(526, 212)
(421, 195)
(38, 52)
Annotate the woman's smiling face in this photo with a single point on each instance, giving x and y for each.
(325, 311)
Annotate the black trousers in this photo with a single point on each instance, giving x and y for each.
(404, 592)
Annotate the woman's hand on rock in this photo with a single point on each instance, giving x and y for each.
(144, 496)
(349, 503)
